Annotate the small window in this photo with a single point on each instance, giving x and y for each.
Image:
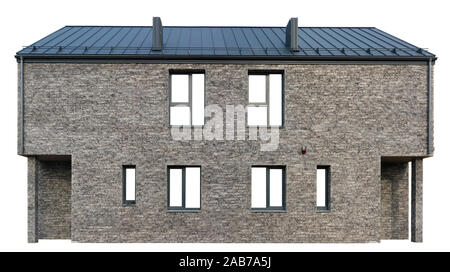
(184, 188)
(323, 188)
(129, 184)
(265, 98)
(187, 99)
(268, 188)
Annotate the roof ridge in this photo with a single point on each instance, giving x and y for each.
(209, 26)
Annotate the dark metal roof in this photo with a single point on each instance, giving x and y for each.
(220, 42)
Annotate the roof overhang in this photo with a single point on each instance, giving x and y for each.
(214, 58)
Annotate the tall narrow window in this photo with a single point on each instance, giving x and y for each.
(323, 188)
(184, 188)
(129, 184)
(268, 187)
(265, 99)
(187, 98)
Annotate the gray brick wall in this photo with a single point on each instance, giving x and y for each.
(394, 201)
(54, 194)
(417, 201)
(33, 170)
(107, 115)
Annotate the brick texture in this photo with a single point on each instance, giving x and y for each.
(33, 168)
(108, 115)
(394, 201)
(54, 190)
(416, 202)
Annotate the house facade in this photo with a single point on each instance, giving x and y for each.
(224, 134)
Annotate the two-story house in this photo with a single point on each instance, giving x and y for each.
(224, 134)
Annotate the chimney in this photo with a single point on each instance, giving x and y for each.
(157, 34)
(292, 35)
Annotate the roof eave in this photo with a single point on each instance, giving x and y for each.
(227, 57)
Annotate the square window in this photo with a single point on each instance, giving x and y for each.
(184, 187)
(268, 188)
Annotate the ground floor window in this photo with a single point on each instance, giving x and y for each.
(129, 184)
(323, 188)
(184, 192)
(268, 187)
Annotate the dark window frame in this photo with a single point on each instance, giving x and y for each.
(283, 190)
(267, 73)
(126, 202)
(189, 73)
(327, 206)
(182, 208)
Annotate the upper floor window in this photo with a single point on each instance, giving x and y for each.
(265, 99)
(187, 98)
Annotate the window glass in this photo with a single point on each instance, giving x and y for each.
(198, 99)
(321, 188)
(275, 100)
(257, 88)
(276, 187)
(180, 88)
(192, 187)
(259, 187)
(130, 183)
(175, 187)
(257, 116)
(180, 116)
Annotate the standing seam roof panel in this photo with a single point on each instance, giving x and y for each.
(91, 41)
(253, 42)
(223, 41)
(358, 44)
(336, 41)
(137, 41)
(124, 43)
(276, 41)
(51, 46)
(385, 48)
(394, 44)
(242, 41)
(67, 45)
(306, 44)
(103, 39)
(316, 41)
(83, 41)
(389, 36)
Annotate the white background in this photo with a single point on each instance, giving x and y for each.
(422, 23)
